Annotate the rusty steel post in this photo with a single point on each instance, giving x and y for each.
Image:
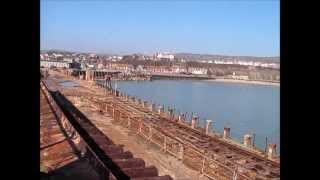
(170, 113)
(208, 127)
(153, 107)
(179, 119)
(167, 114)
(145, 104)
(159, 110)
(247, 140)
(226, 133)
(272, 151)
(194, 122)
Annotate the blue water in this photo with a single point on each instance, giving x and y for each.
(245, 108)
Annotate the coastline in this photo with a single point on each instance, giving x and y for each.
(244, 82)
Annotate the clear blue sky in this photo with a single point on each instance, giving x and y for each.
(122, 27)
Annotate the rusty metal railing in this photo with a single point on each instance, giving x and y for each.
(108, 159)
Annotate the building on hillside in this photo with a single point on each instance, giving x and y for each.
(91, 66)
(140, 68)
(163, 56)
(100, 66)
(178, 69)
(67, 59)
(58, 64)
(238, 77)
(158, 69)
(197, 71)
(117, 66)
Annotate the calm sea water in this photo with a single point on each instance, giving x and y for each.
(245, 108)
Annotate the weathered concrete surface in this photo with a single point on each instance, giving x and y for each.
(76, 170)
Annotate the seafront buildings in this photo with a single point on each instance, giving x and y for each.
(227, 68)
(79, 57)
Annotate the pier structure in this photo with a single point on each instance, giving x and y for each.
(211, 154)
(89, 74)
(202, 149)
(98, 74)
(68, 137)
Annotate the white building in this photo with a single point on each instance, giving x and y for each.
(245, 63)
(239, 77)
(178, 69)
(164, 56)
(92, 55)
(83, 66)
(100, 66)
(218, 62)
(58, 64)
(198, 71)
(67, 60)
(57, 55)
(90, 65)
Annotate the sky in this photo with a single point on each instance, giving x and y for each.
(124, 27)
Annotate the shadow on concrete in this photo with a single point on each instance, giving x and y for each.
(76, 170)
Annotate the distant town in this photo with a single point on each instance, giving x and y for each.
(215, 66)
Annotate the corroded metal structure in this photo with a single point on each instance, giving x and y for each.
(213, 155)
(109, 160)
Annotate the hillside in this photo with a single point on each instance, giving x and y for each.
(198, 57)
